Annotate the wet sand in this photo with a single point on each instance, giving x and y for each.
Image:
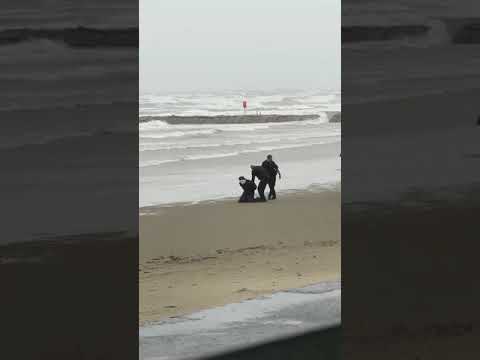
(210, 254)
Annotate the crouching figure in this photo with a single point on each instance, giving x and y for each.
(249, 188)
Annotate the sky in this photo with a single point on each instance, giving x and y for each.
(214, 45)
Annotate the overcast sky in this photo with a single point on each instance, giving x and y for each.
(193, 45)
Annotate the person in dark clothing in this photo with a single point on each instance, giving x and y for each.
(248, 187)
(273, 170)
(262, 174)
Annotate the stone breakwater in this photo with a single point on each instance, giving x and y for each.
(228, 119)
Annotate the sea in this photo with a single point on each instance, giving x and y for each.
(199, 157)
(69, 118)
(409, 63)
(424, 56)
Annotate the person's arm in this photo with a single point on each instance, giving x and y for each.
(278, 170)
(253, 176)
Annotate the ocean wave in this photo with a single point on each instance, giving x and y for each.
(162, 125)
(291, 146)
(463, 30)
(168, 146)
(154, 146)
(33, 139)
(438, 30)
(226, 103)
(152, 163)
(74, 37)
(362, 33)
(175, 134)
(211, 156)
(159, 129)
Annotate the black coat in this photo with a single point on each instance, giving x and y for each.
(248, 191)
(271, 167)
(260, 172)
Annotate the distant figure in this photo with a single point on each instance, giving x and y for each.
(244, 106)
(249, 188)
(261, 173)
(273, 170)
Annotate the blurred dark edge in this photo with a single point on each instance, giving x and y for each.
(410, 182)
(409, 285)
(69, 184)
(319, 344)
(71, 298)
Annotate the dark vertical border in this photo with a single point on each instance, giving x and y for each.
(410, 175)
(69, 183)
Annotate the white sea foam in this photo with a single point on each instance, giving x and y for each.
(159, 129)
(230, 103)
(157, 162)
(211, 156)
(157, 146)
(234, 153)
(176, 134)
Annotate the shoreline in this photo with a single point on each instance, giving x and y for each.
(312, 308)
(312, 188)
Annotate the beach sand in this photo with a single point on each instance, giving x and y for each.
(210, 254)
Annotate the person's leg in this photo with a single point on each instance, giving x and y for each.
(272, 194)
(243, 197)
(261, 189)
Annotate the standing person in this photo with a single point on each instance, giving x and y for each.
(261, 173)
(248, 187)
(273, 170)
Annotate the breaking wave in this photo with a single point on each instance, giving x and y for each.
(153, 163)
(440, 30)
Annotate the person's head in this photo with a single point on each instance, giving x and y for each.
(242, 180)
(252, 166)
(269, 157)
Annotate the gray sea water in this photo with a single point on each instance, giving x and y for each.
(200, 161)
(433, 74)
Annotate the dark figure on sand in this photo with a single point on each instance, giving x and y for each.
(273, 170)
(262, 174)
(248, 187)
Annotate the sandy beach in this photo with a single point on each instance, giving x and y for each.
(213, 253)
